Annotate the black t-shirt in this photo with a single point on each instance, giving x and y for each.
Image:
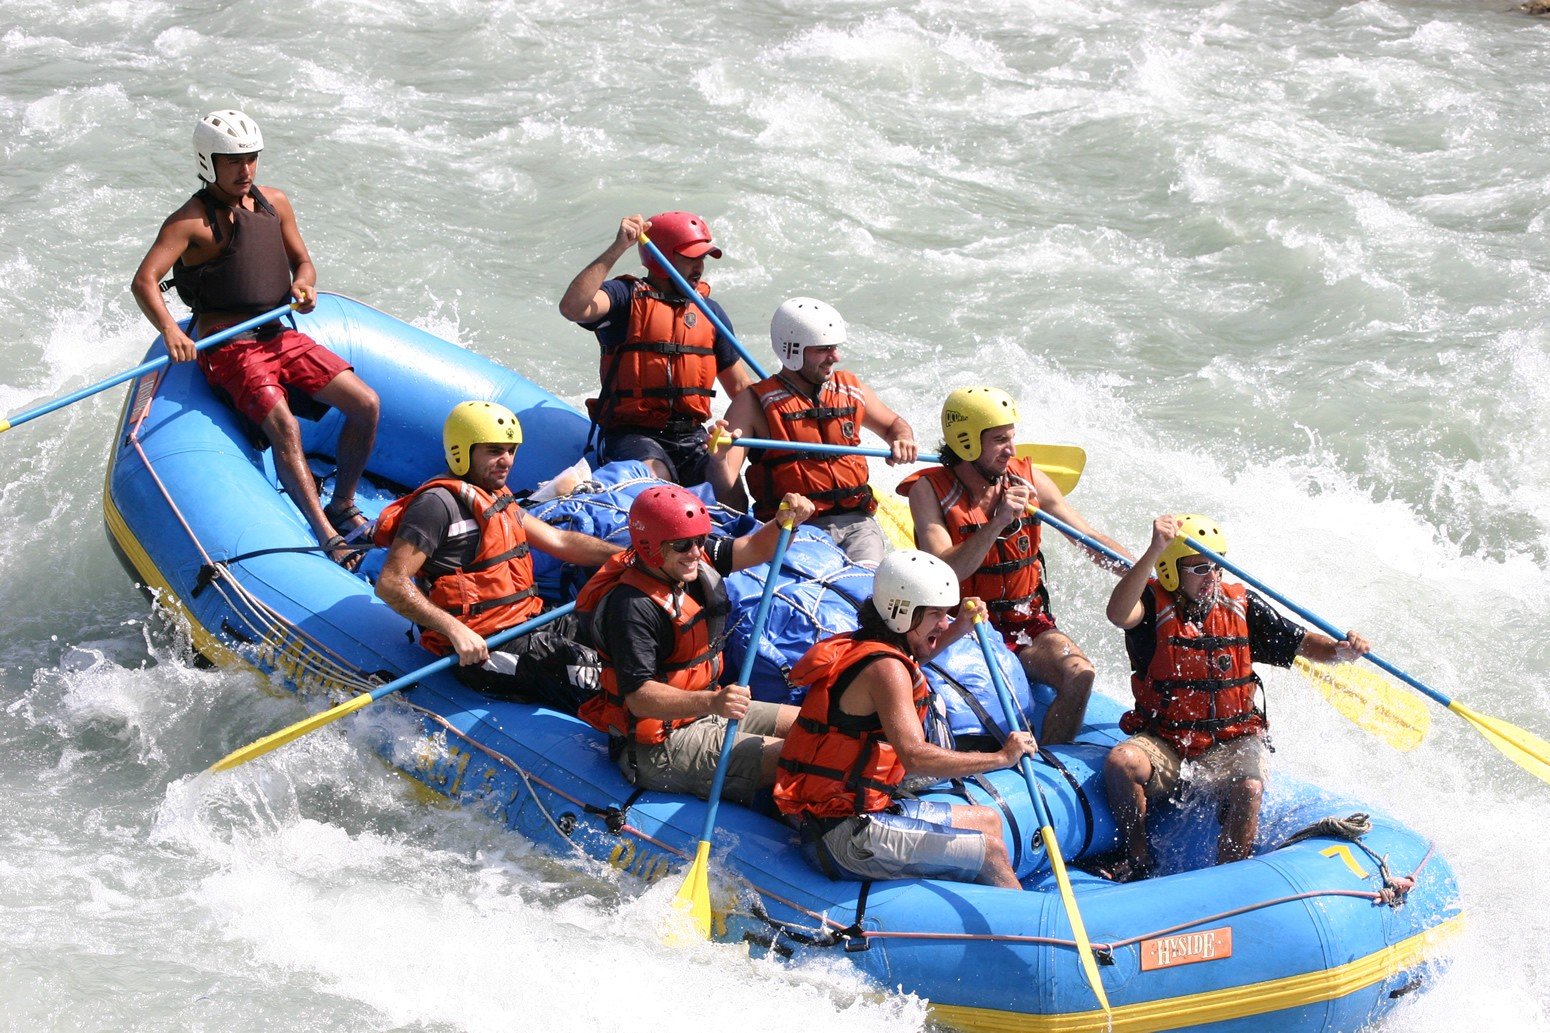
(612, 329)
(636, 632)
(437, 524)
(1272, 638)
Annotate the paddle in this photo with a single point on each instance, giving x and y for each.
(316, 721)
(1063, 463)
(144, 367)
(690, 920)
(1520, 746)
(699, 301)
(1367, 700)
(1057, 863)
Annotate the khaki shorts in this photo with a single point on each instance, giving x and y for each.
(859, 537)
(1233, 761)
(911, 839)
(686, 762)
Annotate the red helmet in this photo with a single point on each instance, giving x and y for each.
(665, 513)
(678, 233)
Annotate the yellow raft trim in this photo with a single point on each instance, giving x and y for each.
(207, 644)
(1218, 1005)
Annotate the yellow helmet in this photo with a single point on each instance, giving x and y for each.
(969, 412)
(1201, 528)
(477, 423)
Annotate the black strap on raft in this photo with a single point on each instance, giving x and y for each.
(1081, 796)
(614, 815)
(1006, 810)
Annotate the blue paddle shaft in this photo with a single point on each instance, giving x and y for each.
(824, 449)
(1323, 625)
(743, 674)
(694, 296)
(145, 367)
(499, 638)
(998, 679)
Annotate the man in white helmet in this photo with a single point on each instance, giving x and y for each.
(460, 566)
(235, 252)
(860, 732)
(810, 400)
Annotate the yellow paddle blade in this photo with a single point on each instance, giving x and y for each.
(1371, 702)
(688, 921)
(893, 513)
(1084, 947)
(1525, 749)
(285, 735)
(1063, 463)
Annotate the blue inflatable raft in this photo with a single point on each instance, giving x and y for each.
(1315, 932)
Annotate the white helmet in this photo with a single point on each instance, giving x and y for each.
(224, 132)
(907, 580)
(803, 323)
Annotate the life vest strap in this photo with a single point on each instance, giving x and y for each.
(490, 604)
(664, 348)
(1207, 641)
(820, 412)
(494, 561)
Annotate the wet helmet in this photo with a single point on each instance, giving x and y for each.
(477, 423)
(678, 233)
(803, 323)
(665, 513)
(1201, 528)
(907, 580)
(969, 412)
(224, 132)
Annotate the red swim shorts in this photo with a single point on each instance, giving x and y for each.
(256, 372)
(1018, 635)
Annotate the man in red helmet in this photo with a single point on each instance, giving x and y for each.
(657, 612)
(661, 356)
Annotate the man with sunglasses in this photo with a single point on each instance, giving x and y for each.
(658, 614)
(1193, 640)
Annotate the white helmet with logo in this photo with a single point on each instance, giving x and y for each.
(907, 580)
(224, 132)
(803, 323)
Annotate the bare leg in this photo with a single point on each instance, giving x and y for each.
(290, 462)
(360, 407)
(1240, 825)
(658, 471)
(1126, 772)
(1055, 660)
(997, 870)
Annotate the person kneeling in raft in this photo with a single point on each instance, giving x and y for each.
(1193, 640)
(864, 712)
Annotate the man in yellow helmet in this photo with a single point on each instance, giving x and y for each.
(459, 566)
(1193, 640)
(974, 512)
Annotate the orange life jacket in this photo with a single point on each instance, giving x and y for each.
(664, 368)
(836, 484)
(1010, 579)
(1200, 686)
(835, 764)
(495, 591)
(693, 665)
